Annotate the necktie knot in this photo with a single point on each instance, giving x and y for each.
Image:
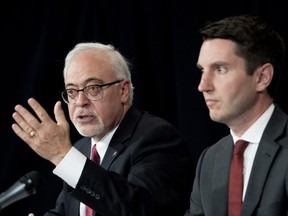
(240, 147)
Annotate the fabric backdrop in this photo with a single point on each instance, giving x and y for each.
(159, 37)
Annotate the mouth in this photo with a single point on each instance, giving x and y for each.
(210, 102)
(85, 118)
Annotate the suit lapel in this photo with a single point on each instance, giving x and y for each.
(111, 153)
(264, 158)
(262, 163)
(220, 177)
(120, 139)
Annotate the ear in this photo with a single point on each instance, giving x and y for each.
(125, 91)
(264, 77)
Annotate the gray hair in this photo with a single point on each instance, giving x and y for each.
(118, 62)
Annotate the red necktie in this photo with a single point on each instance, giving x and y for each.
(236, 179)
(96, 158)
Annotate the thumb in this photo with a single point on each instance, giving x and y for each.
(60, 115)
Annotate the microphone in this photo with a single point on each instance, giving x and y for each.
(27, 185)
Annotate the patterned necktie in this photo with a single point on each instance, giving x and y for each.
(96, 158)
(236, 179)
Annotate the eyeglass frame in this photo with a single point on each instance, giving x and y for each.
(86, 93)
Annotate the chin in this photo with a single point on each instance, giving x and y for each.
(215, 117)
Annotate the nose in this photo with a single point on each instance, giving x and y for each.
(205, 83)
(81, 99)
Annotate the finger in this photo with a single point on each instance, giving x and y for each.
(21, 133)
(24, 119)
(39, 110)
(26, 115)
(60, 115)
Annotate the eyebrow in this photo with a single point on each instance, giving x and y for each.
(90, 79)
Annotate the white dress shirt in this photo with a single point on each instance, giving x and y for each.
(253, 136)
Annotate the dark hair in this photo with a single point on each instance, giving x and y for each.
(256, 42)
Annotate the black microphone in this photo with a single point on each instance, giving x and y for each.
(27, 185)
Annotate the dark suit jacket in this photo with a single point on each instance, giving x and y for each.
(146, 171)
(267, 191)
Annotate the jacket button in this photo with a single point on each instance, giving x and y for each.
(97, 196)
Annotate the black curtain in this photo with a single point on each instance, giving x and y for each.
(161, 40)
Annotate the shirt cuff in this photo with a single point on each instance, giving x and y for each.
(71, 167)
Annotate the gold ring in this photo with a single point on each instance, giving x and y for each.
(32, 133)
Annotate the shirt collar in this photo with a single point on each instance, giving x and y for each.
(102, 145)
(255, 132)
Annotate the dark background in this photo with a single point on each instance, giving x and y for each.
(159, 37)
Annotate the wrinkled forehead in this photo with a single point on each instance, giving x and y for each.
(88, 65)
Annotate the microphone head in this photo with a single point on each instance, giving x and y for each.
(32, 181)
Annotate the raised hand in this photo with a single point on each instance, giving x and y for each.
(48, 138)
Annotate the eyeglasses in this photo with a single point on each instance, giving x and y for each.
(92, 92)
